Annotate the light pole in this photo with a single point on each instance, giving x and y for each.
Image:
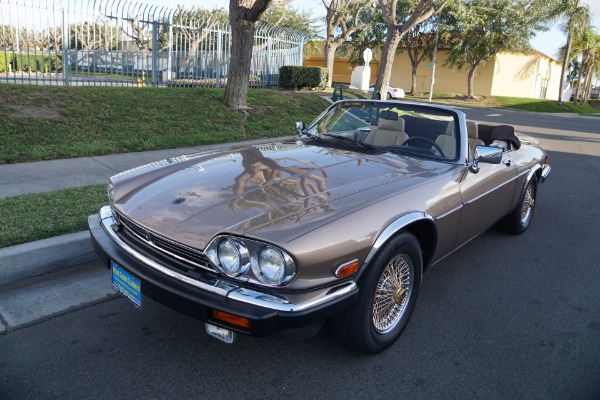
(437, 36)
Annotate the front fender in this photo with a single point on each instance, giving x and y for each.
(405, 222)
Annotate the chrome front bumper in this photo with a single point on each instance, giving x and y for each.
(545, 172)
(227, 289)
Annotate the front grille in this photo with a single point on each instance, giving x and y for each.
(183, 253)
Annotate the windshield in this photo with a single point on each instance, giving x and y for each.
(392, 127)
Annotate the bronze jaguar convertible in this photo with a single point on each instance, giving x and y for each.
(334, 226)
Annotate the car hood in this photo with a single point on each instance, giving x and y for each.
(276, 192)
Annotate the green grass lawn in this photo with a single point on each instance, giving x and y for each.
(515, 103)
(44, 122)
(38, 216)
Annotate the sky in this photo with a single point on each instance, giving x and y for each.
(550, 42)
(546, 42)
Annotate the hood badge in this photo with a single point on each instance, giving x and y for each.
(148, 236)
(179, 200)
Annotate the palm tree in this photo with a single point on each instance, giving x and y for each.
(593, 58)
(584, 44)
(576, 18)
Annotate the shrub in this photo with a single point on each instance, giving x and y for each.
(316, 77)
(36, 62)
(24, 62)
(5, 60)
(52, 61)
(292, 77)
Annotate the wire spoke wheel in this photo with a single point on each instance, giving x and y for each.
(528, 204)
(386, 299)
(392, 293)
(517, 221)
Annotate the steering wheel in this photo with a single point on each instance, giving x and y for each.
(426, 139)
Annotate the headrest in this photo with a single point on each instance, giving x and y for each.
(391, 115)
(391, 125)
(472, 129)
(450, 129)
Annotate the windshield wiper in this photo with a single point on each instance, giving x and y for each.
(347, 139)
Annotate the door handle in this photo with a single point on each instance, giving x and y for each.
(507, 162)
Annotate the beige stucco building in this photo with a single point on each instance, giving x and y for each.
(532, 75)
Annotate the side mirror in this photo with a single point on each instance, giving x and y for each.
(299, 127)
(485, 154)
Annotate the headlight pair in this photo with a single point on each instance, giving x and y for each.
(244, 258)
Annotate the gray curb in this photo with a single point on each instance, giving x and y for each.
(28, 260)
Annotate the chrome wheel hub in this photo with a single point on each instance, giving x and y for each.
(392, 293)
(528, 204)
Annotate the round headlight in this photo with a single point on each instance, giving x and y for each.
(229, 257)
(271, 264)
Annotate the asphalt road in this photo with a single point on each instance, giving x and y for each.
(505, 317)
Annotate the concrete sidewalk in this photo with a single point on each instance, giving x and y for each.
(47, 176)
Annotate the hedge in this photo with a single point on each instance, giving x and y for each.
(30, 62)
(5, 59)
(292, 77)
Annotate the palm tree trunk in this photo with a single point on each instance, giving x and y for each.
(564, 69)
(588, 88)
(579, 78)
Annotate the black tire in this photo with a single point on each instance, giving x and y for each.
(388, 96)
(519, 219)
(361, 327)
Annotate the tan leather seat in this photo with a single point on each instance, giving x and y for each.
(448, 142)
(473, 135)
(388, 132)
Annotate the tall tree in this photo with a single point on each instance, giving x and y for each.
(575, 19)
(290, 17)
(592, 70)
(194, 26)
(370, 37)
(243, 15)
(584, 44)
(341, 21)
(400, 18)
(483, 28)
(418, 42)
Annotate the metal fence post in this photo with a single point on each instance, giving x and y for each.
(154, 51)
(219, 55)
(269, 50)
(65, 47)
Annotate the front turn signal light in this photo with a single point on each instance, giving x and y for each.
(231, 319)
(347, 269)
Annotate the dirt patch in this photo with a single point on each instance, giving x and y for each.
(475, 99)
(33, 111)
